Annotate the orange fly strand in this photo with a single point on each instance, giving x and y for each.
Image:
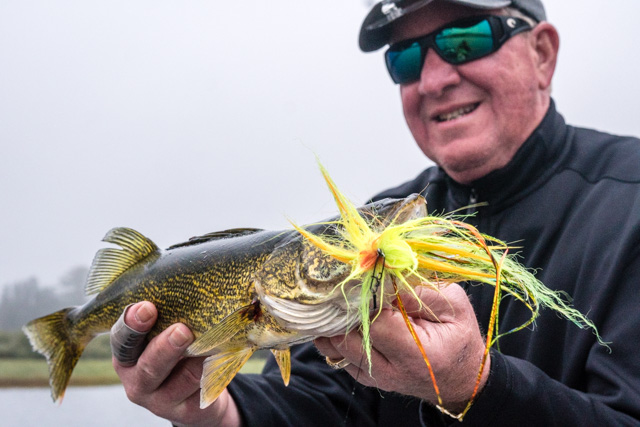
(490, 329)
(417, 340)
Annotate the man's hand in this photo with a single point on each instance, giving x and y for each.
(162, 380)
(449, 332)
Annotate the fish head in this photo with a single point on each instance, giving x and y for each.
(397, 211)
(298, 270)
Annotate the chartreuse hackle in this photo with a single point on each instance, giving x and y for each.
(433, 251)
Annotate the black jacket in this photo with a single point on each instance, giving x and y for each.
(570, 198)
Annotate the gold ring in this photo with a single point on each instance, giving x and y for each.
(337, 364)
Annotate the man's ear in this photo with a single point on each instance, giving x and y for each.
(546, 43)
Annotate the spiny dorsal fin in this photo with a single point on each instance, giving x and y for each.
(217, 235)
(110, 263)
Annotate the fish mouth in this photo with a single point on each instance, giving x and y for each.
(402, 210)
(455, 114)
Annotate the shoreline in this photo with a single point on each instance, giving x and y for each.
(44, 382)
(34, 373)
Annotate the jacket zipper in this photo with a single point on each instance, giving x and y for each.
(473, 199)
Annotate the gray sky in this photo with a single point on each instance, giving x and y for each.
(179, 118)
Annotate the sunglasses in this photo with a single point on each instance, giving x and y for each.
(457, 43)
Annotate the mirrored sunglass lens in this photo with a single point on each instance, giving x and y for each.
(460, 45)
(405, 65)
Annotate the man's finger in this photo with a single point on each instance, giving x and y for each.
(435, 305)
(325, 347)
(128, 334)
(161, 356)
(183, 383)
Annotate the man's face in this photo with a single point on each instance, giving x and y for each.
(472, 118)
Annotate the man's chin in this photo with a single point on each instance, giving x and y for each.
(465, 170)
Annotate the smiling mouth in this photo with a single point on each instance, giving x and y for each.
(456, 113)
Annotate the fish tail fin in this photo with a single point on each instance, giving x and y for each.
(218, 371)
(52, 337)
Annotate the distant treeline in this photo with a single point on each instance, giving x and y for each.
(25, 300)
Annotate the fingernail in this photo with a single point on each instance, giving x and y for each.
(144, 314)
(178, 337)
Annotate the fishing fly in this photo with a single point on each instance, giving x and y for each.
(431, 251)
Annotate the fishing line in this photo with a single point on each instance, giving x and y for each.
(353, 391)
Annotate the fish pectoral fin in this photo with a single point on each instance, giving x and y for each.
(283, 358)
(218, 371)
(222, 332)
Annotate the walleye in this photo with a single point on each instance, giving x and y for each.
(238, 290)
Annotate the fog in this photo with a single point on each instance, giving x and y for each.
(178, 118)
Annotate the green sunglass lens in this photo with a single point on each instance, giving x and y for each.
(460, 45)
(405, 65)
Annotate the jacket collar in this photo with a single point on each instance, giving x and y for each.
(533, 164)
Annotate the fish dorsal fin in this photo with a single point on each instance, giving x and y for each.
(110, 263)
(283, 358)
(218, 371)
(234, 323)
(216, 235)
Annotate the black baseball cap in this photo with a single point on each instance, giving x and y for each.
(376, 31)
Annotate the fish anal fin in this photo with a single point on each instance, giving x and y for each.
(283, 358)
(110, 263)
(219, 334)
(218, 371)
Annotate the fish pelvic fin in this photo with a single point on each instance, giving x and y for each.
(110, 263)
(218, 371)
(283, 358)
(221, 333)
(51, 336)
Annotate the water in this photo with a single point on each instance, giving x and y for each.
(83, 406)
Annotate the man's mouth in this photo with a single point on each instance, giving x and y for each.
(456, 113)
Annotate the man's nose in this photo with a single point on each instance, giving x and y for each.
(437, 75)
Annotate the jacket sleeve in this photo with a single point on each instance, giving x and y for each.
(316, 396)
(604, 391)
(521, 394)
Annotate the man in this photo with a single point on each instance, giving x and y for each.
(475, 83)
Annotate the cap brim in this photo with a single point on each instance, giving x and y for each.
(373, 38)
(375, 31)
